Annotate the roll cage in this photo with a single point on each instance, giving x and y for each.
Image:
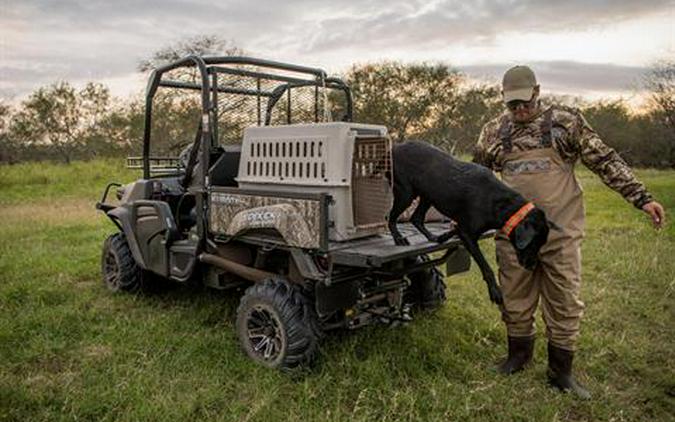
(208, 69)
(205, 144)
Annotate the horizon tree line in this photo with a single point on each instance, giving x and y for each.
(425, 101)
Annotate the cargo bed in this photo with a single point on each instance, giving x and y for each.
(374, 251)
(377, 250)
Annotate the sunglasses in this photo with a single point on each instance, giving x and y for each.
(515, 104)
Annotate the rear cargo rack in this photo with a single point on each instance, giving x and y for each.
(157, 164)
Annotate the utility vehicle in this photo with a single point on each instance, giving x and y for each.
(279, 191)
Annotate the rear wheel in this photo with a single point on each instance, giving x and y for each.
(277, 325)
(427, 287)
(120, 272)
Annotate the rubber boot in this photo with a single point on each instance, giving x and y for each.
(560, 372)
(520, 354)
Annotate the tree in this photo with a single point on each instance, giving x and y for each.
(460, 121)
(120, 130)
(430, 102)
(616, 126)
(660, 81)
(184, 107)
(61, 118)
(200, 45)
(400, 96)
(642, 139)
(9, 149)
(407, 98)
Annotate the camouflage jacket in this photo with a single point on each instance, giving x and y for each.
(572, 138)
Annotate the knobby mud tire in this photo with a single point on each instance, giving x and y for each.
(280, 314)
(118, 267)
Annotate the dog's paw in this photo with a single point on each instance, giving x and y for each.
(401, 241)
(496, 296)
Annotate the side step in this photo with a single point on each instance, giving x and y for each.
(182, 259)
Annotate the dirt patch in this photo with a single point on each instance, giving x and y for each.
(49, 212)
(97, 351)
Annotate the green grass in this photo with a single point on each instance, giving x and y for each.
(70, 350)
(42, 182)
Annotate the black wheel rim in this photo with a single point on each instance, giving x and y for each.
(264, 333)
(111, 271)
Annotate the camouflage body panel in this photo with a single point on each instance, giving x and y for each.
(573, 139)
(298, 221)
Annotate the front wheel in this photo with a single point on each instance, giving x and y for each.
(120, 271)
(277, 325)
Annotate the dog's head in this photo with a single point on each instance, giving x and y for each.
(529, 236)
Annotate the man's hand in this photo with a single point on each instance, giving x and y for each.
(656, 212)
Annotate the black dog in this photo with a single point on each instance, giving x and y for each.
(470, 195)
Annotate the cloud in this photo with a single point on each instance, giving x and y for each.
(568, 76)
(475, 22)
(46, 40)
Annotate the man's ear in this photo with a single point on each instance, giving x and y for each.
(554, 226)
(536, 91)
(524, 234)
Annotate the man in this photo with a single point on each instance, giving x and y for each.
(535, 149)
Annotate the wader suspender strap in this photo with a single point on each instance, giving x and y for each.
(505, 134)
(546, 127)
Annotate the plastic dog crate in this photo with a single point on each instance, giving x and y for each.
(350, 162)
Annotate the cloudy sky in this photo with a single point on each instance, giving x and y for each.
(592, 48)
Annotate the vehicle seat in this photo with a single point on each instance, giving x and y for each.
(225, 170)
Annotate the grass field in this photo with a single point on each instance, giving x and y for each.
(70, 350)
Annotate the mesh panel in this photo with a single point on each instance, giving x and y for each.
(175, 115)
(177, 110)
(175, 121)
(304, 109)
(238, 111)
(244, 96)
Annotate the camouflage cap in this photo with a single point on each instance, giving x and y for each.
(518, 84)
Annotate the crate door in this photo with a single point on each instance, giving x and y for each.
(371, 188)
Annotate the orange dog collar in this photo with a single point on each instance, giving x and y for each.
(516, 218)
